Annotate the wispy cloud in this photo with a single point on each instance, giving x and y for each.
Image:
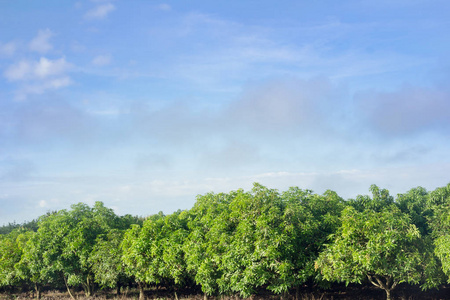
(35, 77)
(52, 120)
(285, 104)
(41, 43)
(406, 111)
(164, 7)
(102, 60)
(43, 86)
(35, 70)
(100, 12)
(8, 49)
(13, 169)
(179, 100)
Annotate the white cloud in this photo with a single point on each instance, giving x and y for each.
(38, 88)
(53, 119)
(7, 49)
(42, 69)
(41, 42)
(288, 104)
(46, 67)
(41, 87)
(18, 71)
(36, 77)
(100, 12)
(102, 60)
(164, 7)
(406, 111)
(59, 82)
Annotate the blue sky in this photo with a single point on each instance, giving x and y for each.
(145, 104)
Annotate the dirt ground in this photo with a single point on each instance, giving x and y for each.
(338, 292)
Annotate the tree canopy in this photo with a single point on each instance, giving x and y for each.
(241, 242)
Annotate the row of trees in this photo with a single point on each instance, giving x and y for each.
(239, 243)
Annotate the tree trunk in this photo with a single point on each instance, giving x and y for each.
(141, 291)
(388, 294)
(387, 286)
(38, 291)
(118, 286)
(67, 286)
(90, 290)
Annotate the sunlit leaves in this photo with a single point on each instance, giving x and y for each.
(382, 246)
(241, 242)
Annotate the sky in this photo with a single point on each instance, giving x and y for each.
(144, 105)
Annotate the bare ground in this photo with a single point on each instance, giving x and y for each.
(338, 292)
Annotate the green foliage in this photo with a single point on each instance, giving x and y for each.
(31, 264)
(105, 259)
(64, 243)
(254, 255)
(414, 203)
(310, 219)
(154, 253)
(239, 243)
(32, 225)
(380, 200)
(210, 227)
(384, 247)
(133, 250)
(10, 254)
(439, 197)
(242, 241)
(439, 202)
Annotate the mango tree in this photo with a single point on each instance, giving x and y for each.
(415, 204)
(308, 221)
(47, 249)
(31, 263)
(383, 247)
(134, 249)
(66, 239)
(439, 202)
(154, 253)
(244, 241)
(380, 199)
(105, 260)
(254, 255)
(86, 225)
(10, 255)
(209, 230)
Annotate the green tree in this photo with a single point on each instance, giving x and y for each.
(65, 239)
(86, 225)
(105, 259)
(439, 202)
(45, 249)
(209, 228)
(383, 247)
(155, 255)
(10, 254)
(31, 264)
(414, 203)
(134, 257)
(380, 199)
(309, 220)
(32, 226)
(253, 256)
(243, 241)
(439, 197)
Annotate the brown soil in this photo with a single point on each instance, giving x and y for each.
(403, 292)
